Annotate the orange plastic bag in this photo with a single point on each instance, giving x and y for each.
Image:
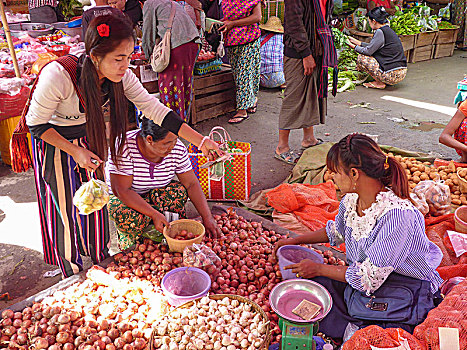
(378, 337)
(452, 312)
(43, 59)
(314, 205)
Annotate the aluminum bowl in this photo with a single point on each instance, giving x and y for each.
(70, 31)
(317, 293)
(33, 29)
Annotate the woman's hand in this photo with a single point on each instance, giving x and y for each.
(281, 242)
(211, 227)
(86, 159)
(211, 149)
(305, 269)
(159, 221)
(227, 26)
(354, 41)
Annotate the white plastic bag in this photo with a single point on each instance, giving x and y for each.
(436, 194)
(91, 196)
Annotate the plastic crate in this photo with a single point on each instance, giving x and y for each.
(202, 68)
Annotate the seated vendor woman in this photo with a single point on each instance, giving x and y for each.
(388, 252)
(142, 183)
(383, 57)
(454, 134)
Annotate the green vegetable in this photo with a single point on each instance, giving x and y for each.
(446, 25)
(340, 39)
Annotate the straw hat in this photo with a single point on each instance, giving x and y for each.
(273, 25)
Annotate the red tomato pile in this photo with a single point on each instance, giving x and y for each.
(205, 56)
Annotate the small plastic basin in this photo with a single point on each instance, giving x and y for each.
(185, 284)
(293, 254)
(460, 219)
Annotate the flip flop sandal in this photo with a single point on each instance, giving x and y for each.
(238, 118)
(288, 157)
(303, 149)
(252, 110)
(373, 86)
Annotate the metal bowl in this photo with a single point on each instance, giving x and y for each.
(33, 29)
(70, 31)
(316, 294)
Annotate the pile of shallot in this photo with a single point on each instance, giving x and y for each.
(211, 324)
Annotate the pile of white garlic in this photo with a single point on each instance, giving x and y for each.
(226, 324)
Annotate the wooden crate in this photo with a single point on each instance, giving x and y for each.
(444, 50)
(147, 76)
(408, 41)
(213, 95)
(447, 36)
(362, 36)
(426, 38)
(423, 53)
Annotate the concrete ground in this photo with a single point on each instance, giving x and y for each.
(409, 115)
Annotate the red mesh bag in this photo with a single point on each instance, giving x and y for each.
(314, 205)
(436, 228)
(452, 313)
(378, 337)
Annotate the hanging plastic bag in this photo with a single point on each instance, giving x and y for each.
(220, 48)
(436, 194)
(91, 196)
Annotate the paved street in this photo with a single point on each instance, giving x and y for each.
(410, 115)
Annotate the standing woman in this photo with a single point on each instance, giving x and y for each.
(383, 58)
(459, 15)
(69, 106)
(176, 81)
(241, 34)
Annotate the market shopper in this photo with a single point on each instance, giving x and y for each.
(387, 249)
(383, 58)
(101, 9)
(272, 54)
(308, 52)
(43, 11)
(131, 8)
(176, 81)
(69, 106)
(459, 15)
(241, 33)
(143, 187)
(389, 5)
(454, 134)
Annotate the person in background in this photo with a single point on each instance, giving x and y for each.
(383, 58)
(43, 11)
(101, 9)
(272, 54)
(212, 9)
(241, 33)
(305, 103)
(176, 81)
(459, 15)
(385, 239)
(389, 5)
(454, 134)
(130, 8)
(143, 187)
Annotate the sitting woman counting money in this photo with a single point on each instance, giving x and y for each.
(392, 264)
(143, 187)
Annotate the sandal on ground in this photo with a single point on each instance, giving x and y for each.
(303, 149)
(288, 157)
(252, 110)
(373, 86)
(237, 119)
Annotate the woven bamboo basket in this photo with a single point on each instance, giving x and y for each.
(462, 182)
(264, 345)
(176, 245)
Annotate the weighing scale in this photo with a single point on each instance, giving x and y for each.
(296, 332)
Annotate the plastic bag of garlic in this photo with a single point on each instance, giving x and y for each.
(211, 324)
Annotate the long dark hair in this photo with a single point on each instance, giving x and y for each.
(149, 128)
(361, 152)
(378, 14)
(119, 29)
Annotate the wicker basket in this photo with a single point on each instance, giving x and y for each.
(264, 345)
(176, 245)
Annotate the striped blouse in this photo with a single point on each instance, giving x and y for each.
(389, 237)
(146, 174)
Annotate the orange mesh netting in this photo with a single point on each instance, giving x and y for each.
(378, 337)
(452, 313)
(314, 205)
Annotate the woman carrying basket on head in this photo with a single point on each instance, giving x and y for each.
(69, 106)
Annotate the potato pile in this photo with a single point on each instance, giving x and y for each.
(418, 171)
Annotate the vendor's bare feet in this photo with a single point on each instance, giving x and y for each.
(375, 85)
(283, 86)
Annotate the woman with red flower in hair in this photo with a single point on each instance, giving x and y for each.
(71, 103)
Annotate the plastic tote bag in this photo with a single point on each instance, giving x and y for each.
(235, 180)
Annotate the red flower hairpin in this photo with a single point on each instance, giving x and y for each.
(103, 30)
